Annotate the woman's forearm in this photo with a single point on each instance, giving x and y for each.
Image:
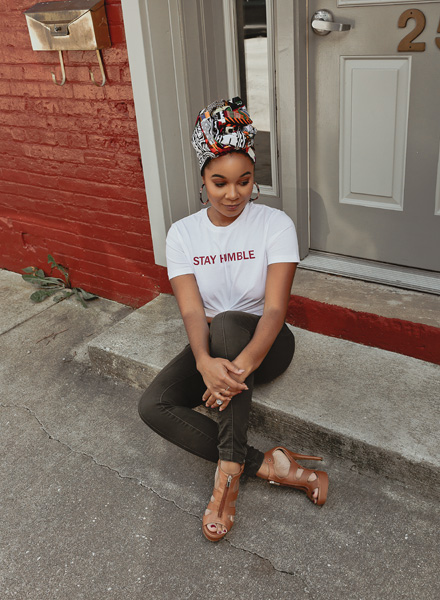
(198, 335)
(278, 284)
(265, 334)
(193, 314)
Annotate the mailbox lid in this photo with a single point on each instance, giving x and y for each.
(47, 12)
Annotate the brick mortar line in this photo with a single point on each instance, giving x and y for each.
(67, 114)
(31, 223)
(82, 208)
(76, 179)
(118, 246)
(135, 261)
(44, 174)
(134, 154)
(114, 270)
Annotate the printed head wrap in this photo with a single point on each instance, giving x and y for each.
(222, 127)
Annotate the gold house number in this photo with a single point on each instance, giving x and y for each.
(408, 44)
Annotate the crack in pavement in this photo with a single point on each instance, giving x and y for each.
(27, 319)
(139, 482)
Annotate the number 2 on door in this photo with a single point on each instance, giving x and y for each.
(408, 44)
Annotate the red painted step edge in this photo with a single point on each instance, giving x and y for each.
(404, 337)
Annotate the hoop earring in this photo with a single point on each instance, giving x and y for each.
(204, 202)
(258, 195)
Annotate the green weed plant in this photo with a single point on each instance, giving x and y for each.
(58, 287)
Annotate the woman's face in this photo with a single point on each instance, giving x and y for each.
(229, 180)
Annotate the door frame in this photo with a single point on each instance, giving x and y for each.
(163, 101)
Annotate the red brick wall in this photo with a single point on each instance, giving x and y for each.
(71, 181)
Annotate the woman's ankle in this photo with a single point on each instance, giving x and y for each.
(229, 467)
(263, 471)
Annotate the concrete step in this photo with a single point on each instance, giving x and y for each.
(376, 408)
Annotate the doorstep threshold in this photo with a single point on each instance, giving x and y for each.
(367, 270)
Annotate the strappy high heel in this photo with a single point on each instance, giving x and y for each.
(301, 482)
(221, 508)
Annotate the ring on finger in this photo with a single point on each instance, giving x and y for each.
(219, 402)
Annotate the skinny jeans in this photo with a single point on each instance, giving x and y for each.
(167, 404)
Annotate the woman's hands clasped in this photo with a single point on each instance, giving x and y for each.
(221, 378)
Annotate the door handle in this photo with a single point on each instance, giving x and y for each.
(323, 23)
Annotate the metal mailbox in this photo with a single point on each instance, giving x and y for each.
(68, 25)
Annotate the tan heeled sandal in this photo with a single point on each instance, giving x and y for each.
(221, 508)
(301, 482)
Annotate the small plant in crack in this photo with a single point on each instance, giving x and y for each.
(58, 287)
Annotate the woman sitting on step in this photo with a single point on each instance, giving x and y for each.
(231, 267)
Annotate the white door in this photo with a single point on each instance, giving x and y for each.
(374, 100)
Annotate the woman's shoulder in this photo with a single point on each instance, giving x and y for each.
(269, 215)
(266, 210)
(188, 223)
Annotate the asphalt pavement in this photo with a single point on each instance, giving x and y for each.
(96, 506)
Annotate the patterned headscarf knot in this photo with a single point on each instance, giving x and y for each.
(222, 127)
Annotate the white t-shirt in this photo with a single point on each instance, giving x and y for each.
(230, 263)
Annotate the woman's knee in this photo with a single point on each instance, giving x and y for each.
(230, 332)
(149, 407)
(278, 358)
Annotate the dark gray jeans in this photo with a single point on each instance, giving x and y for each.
(166, 406)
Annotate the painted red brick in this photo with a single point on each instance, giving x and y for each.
(71, 181)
